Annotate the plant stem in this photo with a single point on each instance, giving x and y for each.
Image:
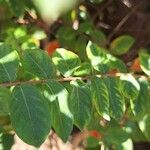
(66, 79)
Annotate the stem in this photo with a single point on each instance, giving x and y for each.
(67, 79)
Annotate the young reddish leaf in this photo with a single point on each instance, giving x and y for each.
(52, 46)
(136, 65)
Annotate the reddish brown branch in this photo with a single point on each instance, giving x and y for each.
(67, 79)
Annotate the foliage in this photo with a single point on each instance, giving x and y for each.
(80, 84)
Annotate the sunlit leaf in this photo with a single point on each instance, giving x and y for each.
(8, 63)
(100, 97)
(66, 61)
(62, 120)
(145, 62)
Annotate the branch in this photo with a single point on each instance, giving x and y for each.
(67, 79)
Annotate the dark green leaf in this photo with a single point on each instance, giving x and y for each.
(38, 63)
(62, 120)
(80, 104)
(8, 63)
(30, 115)
(130, 87)
(116, 100)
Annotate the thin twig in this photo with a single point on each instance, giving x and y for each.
(123, 21)
(67, 79)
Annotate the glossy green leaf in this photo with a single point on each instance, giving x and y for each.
(38, 63)
(61, 116)
(100, 97)
(30, 115)
(145, 62)
(130, 87)
(122, 44)
(98, 57)
(8, 63)
(103, 61)
(80, 104)
(116, 100)
(140, 105)
(5, 97)
(66, 61)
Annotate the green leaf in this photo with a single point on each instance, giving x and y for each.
(54, 90)
(98, 57)
(100, 97)
(122, 44)
(30, 115)
(8, 63)
(38, 63)
(116, 100)
(116, 63)
(66, 61)
(7, 141)
(5, 97)
(145, 62)
(61, 116)
(62, 121)
(94, 124)
(83, 70)
(98, 37)
(144, 125)
(141, 104)
(114, 134)
(103, 61)
(130, 87)
(80, 104)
